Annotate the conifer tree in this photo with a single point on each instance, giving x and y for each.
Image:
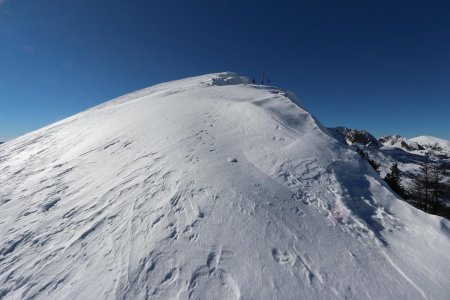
(366, 156)
(394, 181)
(437, 186)
(421, 187)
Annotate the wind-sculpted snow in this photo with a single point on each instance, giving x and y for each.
(207, 188)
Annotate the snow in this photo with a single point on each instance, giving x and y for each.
(421, 145)
(432, 141)
(207, 188)
(409, 155)
(396, 141)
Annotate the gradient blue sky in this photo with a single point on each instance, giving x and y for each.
(383, 66)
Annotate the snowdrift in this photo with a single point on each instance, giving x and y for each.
(207, 188)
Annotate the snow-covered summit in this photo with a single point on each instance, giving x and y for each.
(397, 141)
(433, 143)
(207, 188)
(355, 137)
(421, 144)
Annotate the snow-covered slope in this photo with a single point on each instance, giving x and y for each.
(207, 188)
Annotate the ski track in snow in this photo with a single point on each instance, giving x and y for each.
(206, 188)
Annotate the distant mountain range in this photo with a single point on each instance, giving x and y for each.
(424, 145)
(407, 153)
(421, 145)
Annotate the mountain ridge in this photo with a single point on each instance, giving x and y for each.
(183, 189)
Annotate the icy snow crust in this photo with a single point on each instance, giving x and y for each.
(207, 188)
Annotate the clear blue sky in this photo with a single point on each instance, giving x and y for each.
(383, 66)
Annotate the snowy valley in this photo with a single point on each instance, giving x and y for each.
(210, 187)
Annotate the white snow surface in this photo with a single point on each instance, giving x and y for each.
(207, 188)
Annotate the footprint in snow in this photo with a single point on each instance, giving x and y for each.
(283, 257)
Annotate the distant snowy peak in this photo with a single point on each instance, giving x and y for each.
(353, 136)
(433, 143)
(418, 144)
(397, 141)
